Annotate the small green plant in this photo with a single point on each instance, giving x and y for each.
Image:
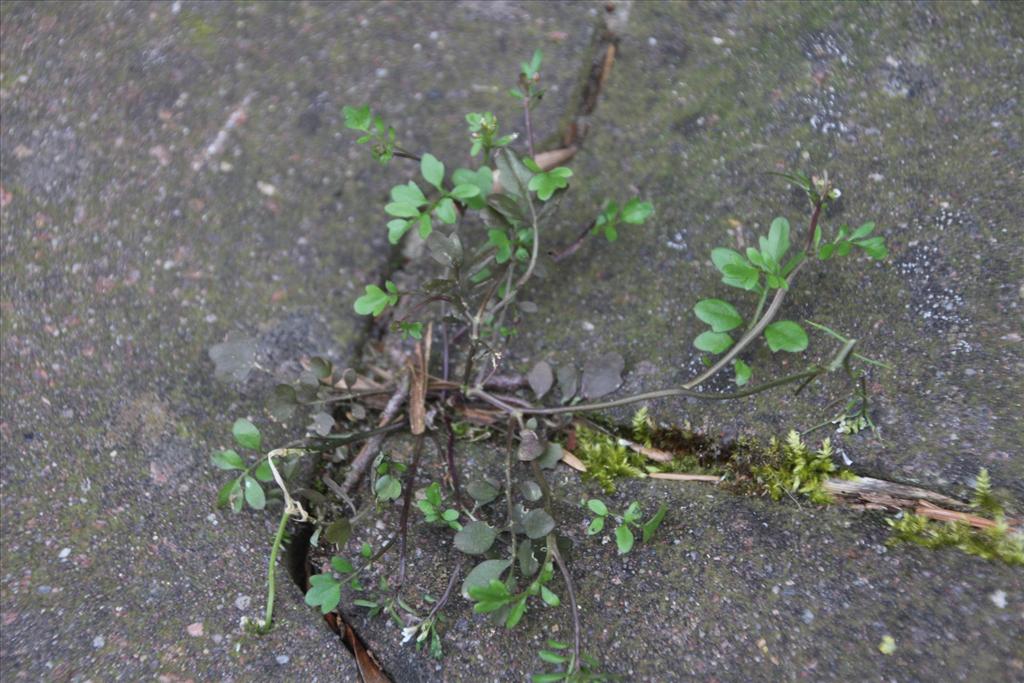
(559, 654)
(791, 468)
(246, 488)
(434, 511)
(772, 266)
(995, 541)
(486, 226)
(606, 459)
(388, 484)
(496, 597)
(624, 523)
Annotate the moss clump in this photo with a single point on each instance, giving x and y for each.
(997, 542)
(606, 459)
(791, 467)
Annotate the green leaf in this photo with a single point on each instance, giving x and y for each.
(713, 342)
(758, 258)
(408, 194)
(721, 315)
(475, 538)
(632, 513)
(375, 300)
(778, 239)
(597, 507)
(736, 271)
(425, 225)
(369, 604)
(338, 532)
(324, 592)
(501, 243)
(357, 118)
(483, 574)
(228, 493)
(445, 210)
(874, 247)
(491, 597)
(465, 191)
(545, 184)
(651, 525)
(596, 526)
(552, 658)
(549, 597)
(825, 253)
(402, 210)
(246, 434)
(862, 232)
(432, 170)
(341, 565)
(538, 524)
(228, 460)
(481, 491)
(387, 488)
(888, 645)
(481, 178)
(397, 228)
(624, 539)
(254, 495)
(548, 678)
(515, 615)
(263, 471)
(636, 211)
(743, 372)
(786, 335)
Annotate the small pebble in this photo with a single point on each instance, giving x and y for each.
(283, 659)
(998, 599)
(98, 642)
(64, 553)
(716, 40)
(242, 602)
(44, 590)
(195, 630)
(807, 616)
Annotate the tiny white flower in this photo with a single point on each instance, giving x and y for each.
(834, 193)
(408, 632)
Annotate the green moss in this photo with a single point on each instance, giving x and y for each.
(606, 459)
(997, 542)
(791, 467)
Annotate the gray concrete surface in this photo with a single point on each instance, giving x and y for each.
(129, 247)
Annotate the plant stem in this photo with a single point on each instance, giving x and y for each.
(574, 246)
(553, 548)
(508, 491)
(810, 373)
(271, 570)
(449, 451)
(403, 524)
(456, 571)
(769, 315)
(529, 126)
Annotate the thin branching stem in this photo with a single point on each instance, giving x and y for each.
(571, 590)
(403, 523)
(809, 374)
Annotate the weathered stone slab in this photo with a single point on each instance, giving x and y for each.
(174, 174)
